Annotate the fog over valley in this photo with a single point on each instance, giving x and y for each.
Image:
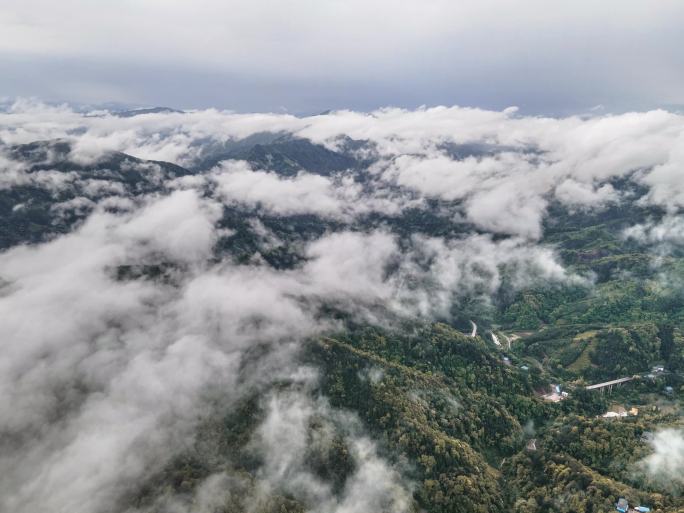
(348, 312)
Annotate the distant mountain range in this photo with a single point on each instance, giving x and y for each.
(283, 322)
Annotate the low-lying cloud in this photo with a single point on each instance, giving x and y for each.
(502, 170)
(121, 330)
(665, 465)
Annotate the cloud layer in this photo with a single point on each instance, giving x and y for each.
(501, 169)
(121, 329)
(665, 466)
(263, 55)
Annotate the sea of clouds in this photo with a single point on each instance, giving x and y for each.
(103, 380)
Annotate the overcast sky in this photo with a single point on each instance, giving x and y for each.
(304, 56)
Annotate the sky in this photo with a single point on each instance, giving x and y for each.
(307, 56)
(113, 375)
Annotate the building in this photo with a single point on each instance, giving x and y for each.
(620, 411)
(555, 394)
(622, 505)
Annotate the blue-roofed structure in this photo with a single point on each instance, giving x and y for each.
(622, 505)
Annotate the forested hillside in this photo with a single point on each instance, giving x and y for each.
(435, 310)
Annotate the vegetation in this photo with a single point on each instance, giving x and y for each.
(456, 414)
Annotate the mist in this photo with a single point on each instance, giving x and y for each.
(106, 374)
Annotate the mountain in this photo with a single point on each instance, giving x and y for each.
(377, 323)
(150, 110)
(285, 155)
(30, 211)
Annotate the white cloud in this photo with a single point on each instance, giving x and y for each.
(338, 197)
(284, 439)
(302, 194)
(664, 236)
(580, 194)
(111, 374)
(539, 54)
(665, 466)
(351, 266)
(180, 226)
(442, 272)
(538, 158)
(666, 180)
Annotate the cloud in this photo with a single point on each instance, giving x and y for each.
(664, 236)
(285, 440)
(506, 210)
(357, 53)
(110, 373)
(180, 226)
(298, 429)
(442, 273)
(580, 194)
(513, 166)
(665, 466)
(493, 191)
(303, 194)
(118, 335)
(665, 179)
(350, 265)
